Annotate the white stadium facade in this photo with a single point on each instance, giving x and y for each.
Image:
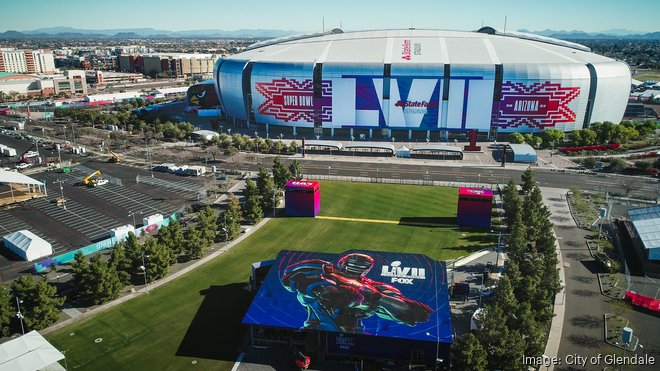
(418, 82)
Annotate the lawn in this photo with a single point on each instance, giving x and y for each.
(194, 321)
(648, 75)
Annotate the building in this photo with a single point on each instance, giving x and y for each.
(354, 305)
(419, 82)
(176, 65)
(112, 78)
(643, 228)
(27, 245)
(27, 61)
(30, 352)
(72, 82)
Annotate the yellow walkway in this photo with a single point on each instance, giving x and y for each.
(418, 224)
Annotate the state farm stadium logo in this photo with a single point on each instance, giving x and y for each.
(410, 106)
(292, 100)
(405, 51)
(408, 49)
(539, 105)
(403, 275)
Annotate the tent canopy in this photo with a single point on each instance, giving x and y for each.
(27, 245)
(28, 353)
(15, 177)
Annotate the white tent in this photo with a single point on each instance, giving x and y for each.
(28, 353)
(27, 245)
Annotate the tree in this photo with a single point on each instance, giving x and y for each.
(207, 224)
(552, 137)
(231, 221)
(6, 311)
(134, 252)
(628, 185)
(587, 137)
(157, 259)
(503, 295)
(104, 282)
(533, 213)
(528, 180)
(296, 169)
(195, 244)
(252, 210)
(516, 138)
(617, 164)
(39, 305)
(532, 331)
(266, 189)
(468, 354)
(643, 165)
(575, 137)
(178, 238)
(589, 162)
(280, 173)
(121, 264)
(504, 347)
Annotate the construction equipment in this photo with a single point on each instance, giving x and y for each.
(115, 157)
(90, 180)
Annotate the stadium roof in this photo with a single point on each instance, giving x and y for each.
(28, 353)
(424, 46)
(647, 224)
(415, 287)
(17, 178)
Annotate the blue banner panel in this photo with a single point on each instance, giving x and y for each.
(358, 292)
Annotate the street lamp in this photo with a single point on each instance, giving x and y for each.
(479, 178)
(143, 267)
(19, 315)
(131, 213)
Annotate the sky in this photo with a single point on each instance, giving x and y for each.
(307, 15)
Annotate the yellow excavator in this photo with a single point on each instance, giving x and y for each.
(91, 180)
(115, 157)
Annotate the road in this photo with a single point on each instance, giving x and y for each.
(394, 169)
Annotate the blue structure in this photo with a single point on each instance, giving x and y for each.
(646, 222)
(366, 303)
(523, 153)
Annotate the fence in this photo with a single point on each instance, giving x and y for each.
(98, 246)
(422, 182)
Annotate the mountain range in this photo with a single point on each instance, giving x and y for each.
(137, 33)
(76, 33)
(615, 33)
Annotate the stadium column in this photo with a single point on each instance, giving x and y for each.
(445, 99)
(317, 81)
(593, 85)
(497, 97)
(247, 91)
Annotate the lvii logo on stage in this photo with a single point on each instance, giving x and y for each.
(539, 105)
(292, 100)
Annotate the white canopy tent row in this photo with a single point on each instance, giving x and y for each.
(27, 245)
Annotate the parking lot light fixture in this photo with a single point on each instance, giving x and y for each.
(19, 315)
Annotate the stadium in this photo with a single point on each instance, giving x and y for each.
(414, 83)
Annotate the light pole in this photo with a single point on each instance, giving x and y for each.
(19, 315)
(144, 270)
(62, 194)
(479, 178)
(131, 213)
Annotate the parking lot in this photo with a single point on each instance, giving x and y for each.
(89, 213)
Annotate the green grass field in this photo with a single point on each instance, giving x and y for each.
(196, 318)
(648, 75)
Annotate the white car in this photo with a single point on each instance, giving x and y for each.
(101, 182)
(24, 165)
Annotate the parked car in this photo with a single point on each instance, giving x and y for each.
(23, 165)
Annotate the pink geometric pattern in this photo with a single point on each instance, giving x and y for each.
(539, 105)
(289, 100)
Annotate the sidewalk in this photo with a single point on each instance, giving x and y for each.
(552, 197)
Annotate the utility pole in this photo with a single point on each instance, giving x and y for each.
(62, 193)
